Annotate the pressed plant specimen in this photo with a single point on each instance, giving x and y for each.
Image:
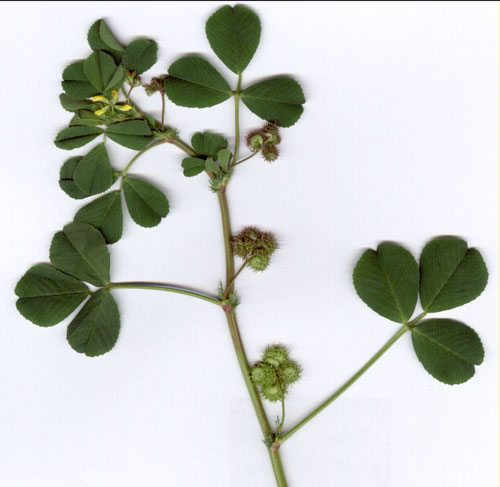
(99, 92)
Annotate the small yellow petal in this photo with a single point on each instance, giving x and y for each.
(115, 95)
(124, 108)
(100, 98)
(102, 111)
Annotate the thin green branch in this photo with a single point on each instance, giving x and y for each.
(237, 119)
(171, 288)
(345, 386)
(234, 278)
(123, 174)
(245, 159)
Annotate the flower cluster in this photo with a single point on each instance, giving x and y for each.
(108, 106)
(275, 373)
(266, 139)
(255, 246)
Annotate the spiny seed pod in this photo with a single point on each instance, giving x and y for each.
(271, 133)
(275, 355)
(251, 242)
(270, 153)
(259, 263)
(289, 372)
(255, 140)
(264, 375)
(273, 393)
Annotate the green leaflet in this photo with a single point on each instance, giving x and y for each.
(234, 34)
(447, 349)
(101, 38)
(134, 134)
(72, 104)
(47, 296)
(101, 71)
(104, 213)
(193, 166)
(387, 281)
(85, 117)
(140, 55)
(223, 157)
(207, 144)
(450, 274)
(212, 166)
(93, 173)
(80, 251)
(146, 204)
(73, 137)
(66, 181)
(95, 329)
(195, 83)
(275, 100)
(75, 82)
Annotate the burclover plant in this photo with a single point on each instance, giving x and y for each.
(98, 92)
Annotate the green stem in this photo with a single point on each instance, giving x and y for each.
(237, 119)
(282, 422)
(346, 386)
(170, 288)
(139, 154)
(162, 110)
(234, 277)
(182, 146)
(245, 159)
(238, 345)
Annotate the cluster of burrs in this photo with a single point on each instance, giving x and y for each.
(275, 373)
(255, 247)
(265, 140)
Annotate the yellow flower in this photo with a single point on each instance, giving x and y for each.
(123, 108)
(102, 111)
(100, 98)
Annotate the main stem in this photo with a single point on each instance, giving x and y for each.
(345, 386)
(238, 344)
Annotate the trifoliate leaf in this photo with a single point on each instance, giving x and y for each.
(134, 134)
(66, 181)
(72, 104)
(47, 296)
(223, 157)
(73, 137)
(140, 55)
(193, 166)
(447, 349)
(146, 204)
(102, 72)
(101, 38)
(195, 83)
(80, 251)
(387, 281)
(207, 144)
(75, 82)
(450, 274)
(85, 118)
(94, 174)
(95, 329)
(104, 213)
(234, 34)
(275, 100)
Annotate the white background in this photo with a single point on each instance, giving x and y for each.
(398, 141)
